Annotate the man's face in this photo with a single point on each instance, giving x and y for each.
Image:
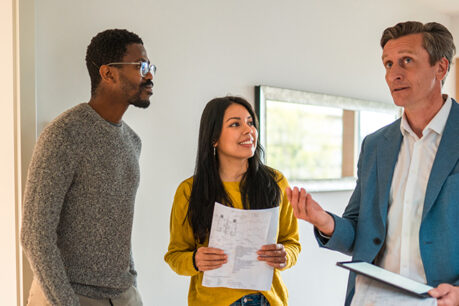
(133, 86)
(411, 79)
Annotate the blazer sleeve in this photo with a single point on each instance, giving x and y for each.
(182, 243)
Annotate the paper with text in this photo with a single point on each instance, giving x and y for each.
(241, 233)
(371, 292)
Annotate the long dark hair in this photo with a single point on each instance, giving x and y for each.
(258, 186)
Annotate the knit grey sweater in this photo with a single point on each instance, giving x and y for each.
(79, 205)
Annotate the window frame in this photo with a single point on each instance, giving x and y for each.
(350, 107)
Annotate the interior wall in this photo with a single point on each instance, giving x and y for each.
(27, 49)
(204, 49)
(9, 158)
(454, 73)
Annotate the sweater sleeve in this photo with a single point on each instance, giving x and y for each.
(182, 242)
(50, 175)
(288, 227)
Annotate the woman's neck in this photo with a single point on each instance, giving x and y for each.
(231, 170)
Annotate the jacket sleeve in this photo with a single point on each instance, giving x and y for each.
(50, 176)
(288, 228)
(182, 243)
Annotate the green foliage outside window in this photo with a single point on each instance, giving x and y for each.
(304, 141)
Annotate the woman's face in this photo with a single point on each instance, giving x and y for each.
(238, 138)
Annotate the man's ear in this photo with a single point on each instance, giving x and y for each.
(442, 69)
(107, 74)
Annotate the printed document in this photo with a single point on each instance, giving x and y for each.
(371, 292)
(240, 234)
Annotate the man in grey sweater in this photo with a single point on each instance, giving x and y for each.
(82, 182)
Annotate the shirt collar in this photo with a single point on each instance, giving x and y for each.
(437, 124)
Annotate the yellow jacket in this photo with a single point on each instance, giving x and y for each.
(182, 244)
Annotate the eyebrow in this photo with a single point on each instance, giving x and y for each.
(400, 52)
(237, 118)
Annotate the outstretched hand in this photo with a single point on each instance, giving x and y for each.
(305, 208)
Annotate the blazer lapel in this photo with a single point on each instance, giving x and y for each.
(387, 155)
(445, 160)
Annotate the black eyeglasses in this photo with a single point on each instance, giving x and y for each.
(145, 67)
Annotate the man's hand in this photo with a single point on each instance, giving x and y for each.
(207, 259)
(274, 255)
(446, 295)
(304, 207)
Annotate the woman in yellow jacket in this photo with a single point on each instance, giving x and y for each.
(229, 170)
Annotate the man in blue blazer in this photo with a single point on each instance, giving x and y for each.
(404, 212)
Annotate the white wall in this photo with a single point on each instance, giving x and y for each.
(205, 49)
(9, 158)
(455, 31)
(28, 128)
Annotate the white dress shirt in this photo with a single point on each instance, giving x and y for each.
(401, 252)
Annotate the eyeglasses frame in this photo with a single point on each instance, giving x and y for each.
(151, 67)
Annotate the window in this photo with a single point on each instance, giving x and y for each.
(313, 138)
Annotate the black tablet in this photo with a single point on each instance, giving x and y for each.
(387, 277)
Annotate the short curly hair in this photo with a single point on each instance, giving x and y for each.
(437, 39)
(107, 47)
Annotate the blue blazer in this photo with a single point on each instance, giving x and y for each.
(361, 231)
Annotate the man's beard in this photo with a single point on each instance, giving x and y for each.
(136, 99)
(138, 102)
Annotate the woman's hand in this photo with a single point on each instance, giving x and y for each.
(207, 259)
(274, 255)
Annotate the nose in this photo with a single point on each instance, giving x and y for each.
(148, 76)
(395, 73)
(247, 128)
